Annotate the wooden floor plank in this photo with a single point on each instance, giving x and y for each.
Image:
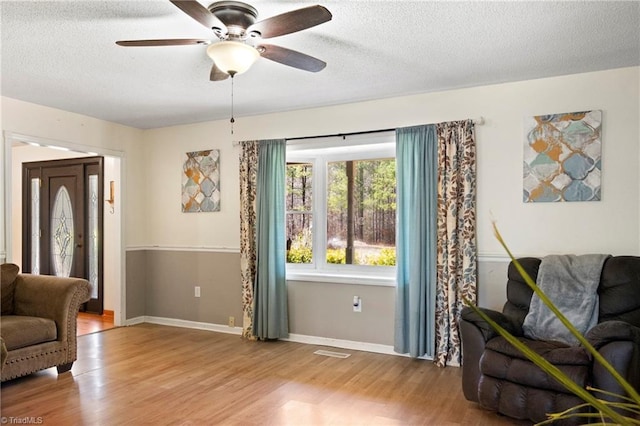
(152, 374)
(92, 323)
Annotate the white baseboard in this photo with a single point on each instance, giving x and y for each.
(343, 344)
(185, 324)
(350, 344)
(297, 338)
(134, 321)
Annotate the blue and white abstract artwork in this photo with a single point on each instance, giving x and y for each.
(562, 157)
(201, 181)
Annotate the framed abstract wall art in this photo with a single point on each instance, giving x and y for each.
(562, 157)
(201, 181)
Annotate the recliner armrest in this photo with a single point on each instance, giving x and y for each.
(475, 333)
(619, 344)
(470, 316)
(612, 331)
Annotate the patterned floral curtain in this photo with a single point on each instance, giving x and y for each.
(248, 184)
(456, 234)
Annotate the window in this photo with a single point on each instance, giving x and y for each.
(341, 209)
(299, 212)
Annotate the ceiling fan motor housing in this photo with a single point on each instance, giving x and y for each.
(237, 16)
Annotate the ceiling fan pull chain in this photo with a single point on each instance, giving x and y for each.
(233, 120)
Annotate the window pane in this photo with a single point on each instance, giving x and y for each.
(299, 206)
(35, 226)
(299, 238)
(371, 213)
(299, 184)
(62, 243)
(94, 205)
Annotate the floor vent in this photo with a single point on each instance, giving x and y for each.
(332, 354)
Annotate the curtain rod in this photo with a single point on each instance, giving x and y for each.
(478, 122)
(364, 132)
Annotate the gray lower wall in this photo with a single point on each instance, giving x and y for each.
(136, 279)
(326, 310)
(161, 283)
(169, 280)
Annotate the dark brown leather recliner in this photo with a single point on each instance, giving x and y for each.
(500, 378)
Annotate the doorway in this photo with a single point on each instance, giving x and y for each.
(62, 221)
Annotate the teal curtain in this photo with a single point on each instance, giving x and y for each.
(270, 317)
(416, 171)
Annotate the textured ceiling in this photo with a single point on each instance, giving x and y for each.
(62, 54)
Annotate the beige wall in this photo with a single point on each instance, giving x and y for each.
(155, 224)
(533, 228)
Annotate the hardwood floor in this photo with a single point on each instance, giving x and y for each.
(152, 374)
(91, 323)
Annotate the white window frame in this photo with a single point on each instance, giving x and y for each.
(318, 153)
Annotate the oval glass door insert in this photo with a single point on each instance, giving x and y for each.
(62, 243)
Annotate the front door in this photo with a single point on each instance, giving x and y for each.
(62, 221)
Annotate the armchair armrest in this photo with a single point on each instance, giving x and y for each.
(56, 298)
(470, 316)
(619, 344)
(475, 333)
(613, 331)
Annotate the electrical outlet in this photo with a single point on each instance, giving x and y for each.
(357, 304)
(232, 322)
(197, 291)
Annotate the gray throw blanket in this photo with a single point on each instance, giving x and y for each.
(571, 282)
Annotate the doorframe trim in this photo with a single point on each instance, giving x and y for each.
(6, 220)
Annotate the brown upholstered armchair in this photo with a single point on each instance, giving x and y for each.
(500, 378)
(38, 322)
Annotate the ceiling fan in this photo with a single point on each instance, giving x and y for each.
(238, 35)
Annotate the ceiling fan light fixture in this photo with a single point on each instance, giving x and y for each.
(232, 57)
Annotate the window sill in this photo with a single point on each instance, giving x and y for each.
(330, 277)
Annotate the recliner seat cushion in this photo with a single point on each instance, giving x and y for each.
(503, 361)
(554, 352)
(21, 331)
(516, 370)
